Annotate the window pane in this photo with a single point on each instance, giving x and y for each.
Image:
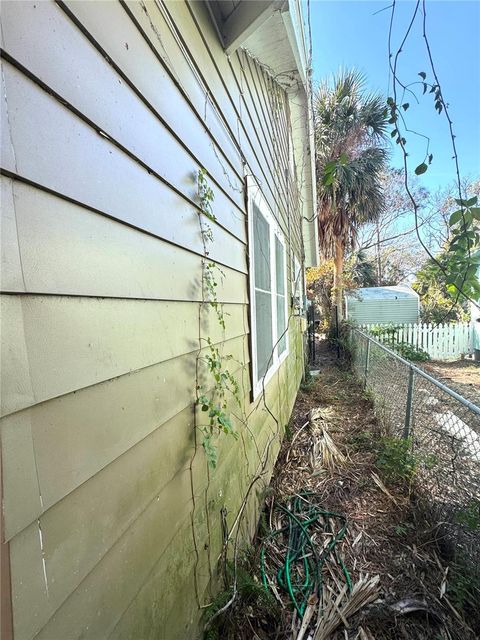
(281, 324)
(263, 312)
(261, 250)
(279, 263)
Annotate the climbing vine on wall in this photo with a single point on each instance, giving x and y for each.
(213, 399)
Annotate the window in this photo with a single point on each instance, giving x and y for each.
(268, 302)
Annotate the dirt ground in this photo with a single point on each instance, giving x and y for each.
(463, 376)
(422, 593)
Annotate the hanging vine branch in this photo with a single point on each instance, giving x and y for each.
(460, 267)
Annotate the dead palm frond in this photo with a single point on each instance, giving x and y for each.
(337, 610)
(324, 449)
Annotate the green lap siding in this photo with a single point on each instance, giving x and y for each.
(113, 520)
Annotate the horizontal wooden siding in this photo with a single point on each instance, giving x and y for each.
(110, 109)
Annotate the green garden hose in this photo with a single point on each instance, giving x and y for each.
(300, 560)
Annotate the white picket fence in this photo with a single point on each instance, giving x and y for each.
(441, 342)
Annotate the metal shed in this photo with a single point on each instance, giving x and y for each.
(399, 304)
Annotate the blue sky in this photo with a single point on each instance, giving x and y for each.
(347, 33)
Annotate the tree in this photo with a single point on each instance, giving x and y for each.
(438, 304)
(359, 271)
(440, 299)
(363, 270)
(391, 239)
(350, 126)
(442, 203)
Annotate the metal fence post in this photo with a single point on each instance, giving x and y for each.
(367, 360)
(408, 411)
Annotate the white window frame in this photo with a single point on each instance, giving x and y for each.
(298, 284)
(255, 196)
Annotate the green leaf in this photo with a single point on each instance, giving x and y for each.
(455, 217)
(425, 88)
(475, 212)
(421, 169)
(225, 422)
(472, 271)
(394, 133)
(343, 159)
(210, 451)
(430, 158)
(330, 166)
(423, 75)
(405, 106)
(466, 203)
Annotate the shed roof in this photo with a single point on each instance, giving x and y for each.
(397, 292)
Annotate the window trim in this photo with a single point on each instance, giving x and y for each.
(298, 286)
(255, 196)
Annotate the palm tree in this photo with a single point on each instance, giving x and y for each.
(350, 126)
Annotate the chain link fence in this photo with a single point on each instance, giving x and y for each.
(443, 433)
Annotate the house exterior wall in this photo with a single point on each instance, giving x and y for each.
(113, 522)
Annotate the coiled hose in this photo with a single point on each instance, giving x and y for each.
(298, 550)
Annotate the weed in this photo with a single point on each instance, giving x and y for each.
(430, 461)
(396, 460)
(363, 441)
(403, 528)
(469, 516)
(288, 432)
(464, 588)
(368, 396)
(250, 593)
(307, 382)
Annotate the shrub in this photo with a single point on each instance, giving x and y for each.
(396, 459)
(410, 352)
(386, 335)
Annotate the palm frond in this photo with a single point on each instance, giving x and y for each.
(350, 126)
